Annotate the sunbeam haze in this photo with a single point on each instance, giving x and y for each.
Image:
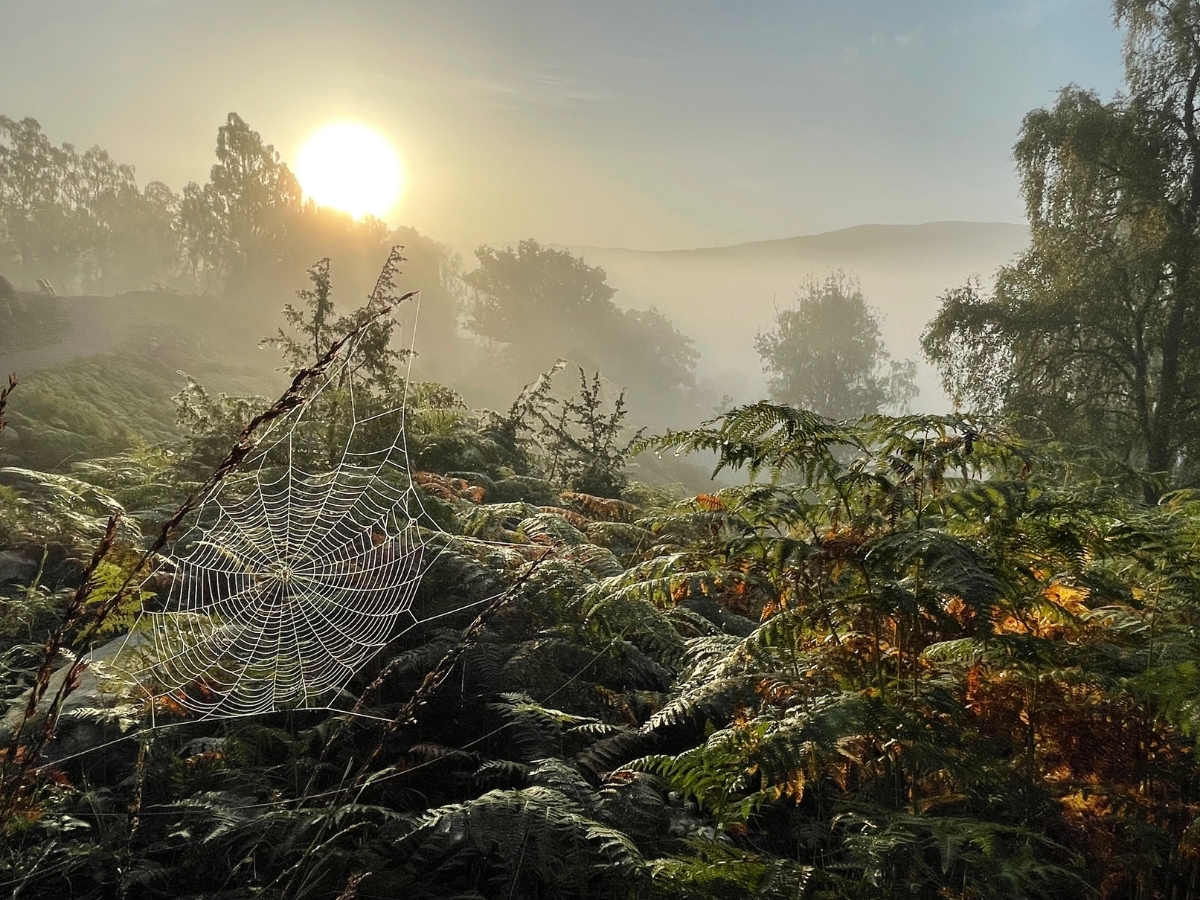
(682, 450)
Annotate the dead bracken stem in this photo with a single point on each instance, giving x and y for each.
(4, 394)
(380, 305)
(429, 685)
(407, 713)
(290, 400)
(24, 758)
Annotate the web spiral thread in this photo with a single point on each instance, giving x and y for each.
(291, 575)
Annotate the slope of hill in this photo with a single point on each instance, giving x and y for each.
(222, 337)
(98, 373)
(723, 296)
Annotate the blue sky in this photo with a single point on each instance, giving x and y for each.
(643, 124)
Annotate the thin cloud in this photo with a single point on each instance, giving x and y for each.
(1034, 13)
(903, 38)
(536, 88)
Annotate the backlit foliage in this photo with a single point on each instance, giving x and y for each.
(911, 660)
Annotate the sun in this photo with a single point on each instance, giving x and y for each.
(350, 167)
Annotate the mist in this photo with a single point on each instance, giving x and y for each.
(673, 451)
(205, 275)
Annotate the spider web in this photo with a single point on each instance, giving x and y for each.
(291, 575)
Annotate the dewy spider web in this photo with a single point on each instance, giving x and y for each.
(291, 575)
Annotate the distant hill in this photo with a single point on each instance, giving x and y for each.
(723, 296)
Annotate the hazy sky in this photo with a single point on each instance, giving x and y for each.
(643, 124)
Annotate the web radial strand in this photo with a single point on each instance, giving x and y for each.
(289, 579)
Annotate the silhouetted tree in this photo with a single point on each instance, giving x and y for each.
(825, 354)
(32, 173)
(81, 222)
(80, 219)
(539, 303)
(242, 211)
(537, 295)
(1096, 328)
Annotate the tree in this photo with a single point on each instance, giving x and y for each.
(1095, 330)
(539, 303)
(242, 212)
(586, 446)
(535, 295)
(139, 247)
(372, 381)
(32, 172)
(248, 231)
(826, 354)
(80, 219)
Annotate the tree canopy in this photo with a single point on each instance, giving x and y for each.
(826, 354)
(79, 219)
(245, 206)
(1095, 330)
(537, 303)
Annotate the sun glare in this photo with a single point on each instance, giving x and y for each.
(350, 167)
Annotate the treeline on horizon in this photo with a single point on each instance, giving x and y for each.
(79, 222)
(902, 656)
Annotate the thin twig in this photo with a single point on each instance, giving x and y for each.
(432, 681)
(439, 673)
(4, 393)
(58, 638)
(290, 400)
(428, 687)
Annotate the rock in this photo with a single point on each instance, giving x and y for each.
(69, 574)
(59, 568)
(31, 550)
(15, 568)
(52, 557)
(75, 733)
(21, 564)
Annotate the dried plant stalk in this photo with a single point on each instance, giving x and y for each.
(380, 304)
(4, 394)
